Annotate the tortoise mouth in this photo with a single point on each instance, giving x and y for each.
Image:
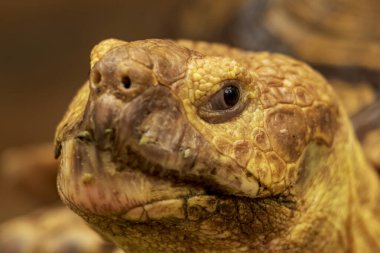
(189, 208)
(90, 180)
(92, 184)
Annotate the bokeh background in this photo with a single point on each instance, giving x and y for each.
(45, 48)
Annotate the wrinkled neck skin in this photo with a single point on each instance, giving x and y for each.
(339, 193)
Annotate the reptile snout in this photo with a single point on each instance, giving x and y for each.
(122, 72)
(126, 70)
(127, 85)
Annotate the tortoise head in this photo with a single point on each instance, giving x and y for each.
(167, 149)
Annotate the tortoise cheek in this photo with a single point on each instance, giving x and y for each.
(323, 123)
(287, 131)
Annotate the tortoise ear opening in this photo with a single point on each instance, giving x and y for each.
(323, 122)
(287, 131)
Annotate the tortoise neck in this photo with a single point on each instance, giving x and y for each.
(363, 220)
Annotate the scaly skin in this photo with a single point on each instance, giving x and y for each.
(151, 161)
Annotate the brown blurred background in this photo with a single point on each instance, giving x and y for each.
(45, 49)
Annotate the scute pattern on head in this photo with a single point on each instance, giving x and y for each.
(289, 106)
(205, 73)
(102, 48)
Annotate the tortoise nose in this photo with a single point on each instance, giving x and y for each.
(121, 73)
(126, 66)
(102, 75)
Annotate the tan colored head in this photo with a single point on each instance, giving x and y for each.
(192, 147)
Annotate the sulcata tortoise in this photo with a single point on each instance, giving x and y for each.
(196, 147)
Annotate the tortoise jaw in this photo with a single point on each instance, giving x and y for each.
(91, 184)
(90, 181)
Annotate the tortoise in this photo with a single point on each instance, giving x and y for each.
(181, 146)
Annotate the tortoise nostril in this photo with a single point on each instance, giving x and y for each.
(96, 77)
(126, 81)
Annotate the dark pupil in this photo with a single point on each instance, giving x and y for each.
(231, 95)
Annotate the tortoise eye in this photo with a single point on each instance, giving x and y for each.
(225, 104)
(225, 98)
(231, 95)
